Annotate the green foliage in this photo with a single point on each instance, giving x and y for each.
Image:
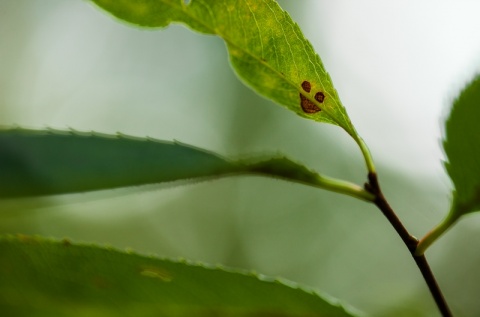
(40, 162)
(462, 146)
(270, 54)
(36, 162)
(267, 49)
(56, 278)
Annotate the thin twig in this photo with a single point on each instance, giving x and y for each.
(410, 241)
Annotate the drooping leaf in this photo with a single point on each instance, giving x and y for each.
(462, 147)
(267, 49)
(41, 277)
(50, 162)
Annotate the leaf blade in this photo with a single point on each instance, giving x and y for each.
(267, 48)
(46, 162)
(51, 277)
(462, 147)
(52, 162)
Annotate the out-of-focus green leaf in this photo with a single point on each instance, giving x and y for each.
(56, 162)
(50, 162)
(41, 277)
(462, 147)
(267, 49)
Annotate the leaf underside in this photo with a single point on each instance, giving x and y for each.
(41, 277)
(462, 147)
(267, 49)
(50, 162)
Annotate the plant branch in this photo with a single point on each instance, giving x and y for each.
(410, 241)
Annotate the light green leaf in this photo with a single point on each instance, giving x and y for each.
(462, 147)
(41, 277)
(50, 162)
(267, 49)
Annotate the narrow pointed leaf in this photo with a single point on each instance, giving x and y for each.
(462, 147)
(266, 47)
(50, 162)
(41, 277)
(57, 162)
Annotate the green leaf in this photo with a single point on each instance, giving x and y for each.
(41, 277)
(56, 162)
(53, 162)
(462, 147)
(267, 49)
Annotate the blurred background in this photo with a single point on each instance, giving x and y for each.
(397, 65)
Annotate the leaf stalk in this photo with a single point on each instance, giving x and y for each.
(285, 169)
(435, 233)
(366, 153)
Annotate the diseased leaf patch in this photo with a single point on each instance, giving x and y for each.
(306, 86)
(267, 49)
(320, 96)
(307, 105)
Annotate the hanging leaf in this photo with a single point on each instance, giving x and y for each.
(462, 147)
(50, 162)
(267, 49)
(41, 277)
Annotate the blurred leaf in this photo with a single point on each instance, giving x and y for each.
(266, 47)
(56, 162)
(50, 162)
(462, 147)
(41, 277)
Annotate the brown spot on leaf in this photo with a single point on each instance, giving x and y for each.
(308, 106)
(306, 86)
(320, 97)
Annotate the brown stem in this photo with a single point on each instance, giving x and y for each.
(410, 241)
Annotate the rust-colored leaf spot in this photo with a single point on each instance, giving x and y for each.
(308, 106)
(320, 96)
(306, 86)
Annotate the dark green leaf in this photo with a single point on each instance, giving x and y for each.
(56, 162)
(462, 147)
(47, 278)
